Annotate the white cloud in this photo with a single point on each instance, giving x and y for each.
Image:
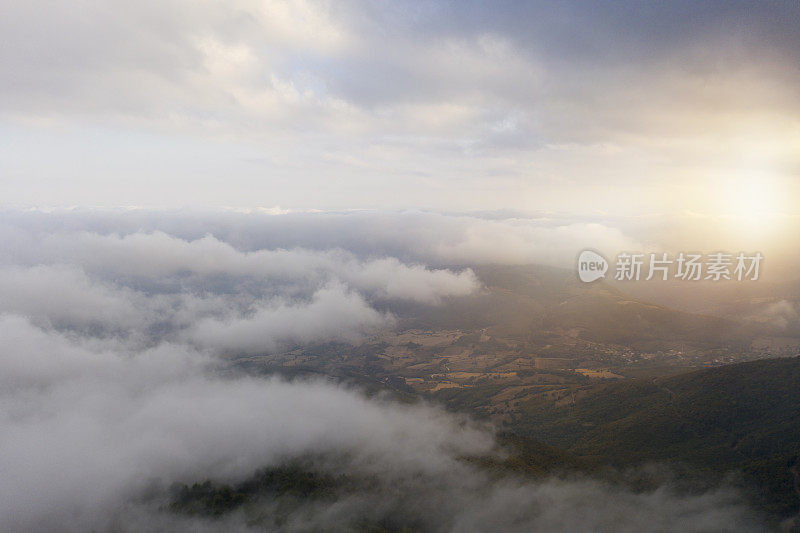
(145, 288)
(111, 380)
(158, 255)
(84, 428)
(332, 315)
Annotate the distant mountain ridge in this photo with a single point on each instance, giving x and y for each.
(521, 300)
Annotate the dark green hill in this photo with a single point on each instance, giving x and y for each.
(743, 417)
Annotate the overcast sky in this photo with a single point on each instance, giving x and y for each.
(617, 107)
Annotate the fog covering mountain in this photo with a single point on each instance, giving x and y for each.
(115, 336)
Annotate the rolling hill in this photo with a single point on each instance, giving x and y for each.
(742, 417)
